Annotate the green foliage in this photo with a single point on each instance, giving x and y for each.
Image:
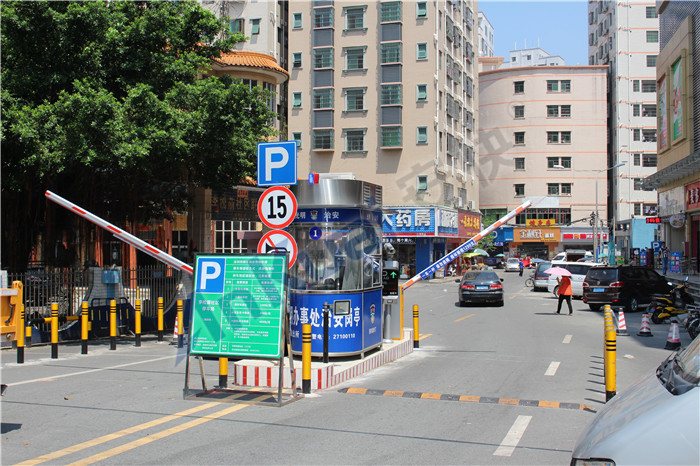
(103, 102)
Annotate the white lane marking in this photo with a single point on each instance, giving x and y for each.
(552, 369)
(567, 339)
(53, 377)
(513, 436)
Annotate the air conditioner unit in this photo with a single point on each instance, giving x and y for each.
(471, 205)
(458, 202)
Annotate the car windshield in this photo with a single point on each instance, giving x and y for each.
(688, 362)
(480, 275)
(513, 261)
(602, 274)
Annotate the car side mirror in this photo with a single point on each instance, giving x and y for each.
(501, 280)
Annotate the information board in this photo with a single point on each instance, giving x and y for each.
(238, 305)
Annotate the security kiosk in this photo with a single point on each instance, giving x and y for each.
(338, 271)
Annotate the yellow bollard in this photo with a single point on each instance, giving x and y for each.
(223, 372)
(84, 327)
(180, 339)
(28, 334)
(610, 355)
(54, 330)
(415, 326)
(160, 319)
(20, 335)
(306, 358)
(137, 322)
(112, 325)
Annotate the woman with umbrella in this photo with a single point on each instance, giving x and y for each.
(564, 290)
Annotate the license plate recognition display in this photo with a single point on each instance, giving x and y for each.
(238, 304)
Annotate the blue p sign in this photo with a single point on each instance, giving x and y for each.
(277, 163)
(210, 274)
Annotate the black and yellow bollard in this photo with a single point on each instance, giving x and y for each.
(112, 325)
(180, 339)
(137, 322)
(160, 319)
(610, 356)
(223, 372)
(306, 358)
(28, 333)
(415, 326)
(20, 335)
(54, 330)
(84, 327)
(401, 312)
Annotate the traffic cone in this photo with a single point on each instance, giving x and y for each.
(645, 330)
(673, 341)
(174, 341)
(622, 325)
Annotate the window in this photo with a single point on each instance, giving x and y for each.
(649, 160)
(355, 140)
(553, 189)
(226, 236)
(637, 159)
(323, 17)
(296, 100)
(237, 25)
(635, 85)
(566, 137)
(651, 61)
(565, 111)
(421, 93)
(519, 111)
(422, 183)
(297, 137)
(519, 189)
(651, 12)
(566, 189)
(422, 51)
(519, 137)
(636, 110)
(651, 210)
(323, 139)
(636, 134)
(355, 18)
(519, 87)
(559, 162)
(296, 21)
(255, 26)
(354, 99)
(296, 60)
(391, 94)
(554, 85)
(323, 58)
(391, 11)
(638, 208)
(649, 135)
(391, 52)
(421, 10)
(565, 85)
(638, 184)
(422, 135)
(552, 111)
(552, 137)
(648, 86)
(391, 136)
(520, 163)
(652, 36)
(323, 98)
(354, 58)
(649, 110)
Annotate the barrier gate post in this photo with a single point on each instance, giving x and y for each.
(137, 322)
(180, 339)
(112, 325)
(84, 328)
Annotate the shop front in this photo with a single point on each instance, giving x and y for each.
(535, 242)
(692, 207)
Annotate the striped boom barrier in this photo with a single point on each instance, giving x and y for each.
(464, 247)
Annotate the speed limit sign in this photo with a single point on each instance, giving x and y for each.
(277, 207)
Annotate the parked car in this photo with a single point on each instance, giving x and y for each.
(573, 255)
(513, 265)
(480, 286)
(578, 273)
(630, 427)
(631, 286)
(541, 278)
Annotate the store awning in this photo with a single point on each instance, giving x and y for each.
(676, 171)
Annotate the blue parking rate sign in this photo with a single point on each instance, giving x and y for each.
(277, 163)
(209, 275)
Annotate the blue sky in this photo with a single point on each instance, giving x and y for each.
(560, 26)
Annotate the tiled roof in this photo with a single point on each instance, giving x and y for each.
(244, 58)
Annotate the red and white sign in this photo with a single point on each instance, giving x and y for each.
(277, 207)
(277, 240)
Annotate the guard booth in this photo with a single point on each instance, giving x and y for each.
(338, 231)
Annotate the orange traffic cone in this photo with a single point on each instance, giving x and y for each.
(673, 341)
(174, 341)
(622, 325)
(645, 330)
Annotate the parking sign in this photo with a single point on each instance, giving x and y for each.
(277, 163)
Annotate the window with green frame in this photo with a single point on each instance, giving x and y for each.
(255, 26)
(296, 136)
(391, 52)
(552, 85)
(391, 11)
(519, 163)
(355, 58)
(323, 139)
(296, 21)
(354, 99)
(323, 17)
(296, 100)
(391, 94)
(422, 51)
(652, 36)
(355, 140)
(323, 58)
(566, 137)
(323, 98)
(421, 10)
(391, 136)
(422, 135)
(355, 18)
(421, 93)
(566, 189)
(237, 25)
(552, 111)
(553, 189)
(552, 137)
(296, 60)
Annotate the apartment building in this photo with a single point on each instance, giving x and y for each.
(542, 138)
(486, 36)
(624, 35)
(385, 90)
(534, 56)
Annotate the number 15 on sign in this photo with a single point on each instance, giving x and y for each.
(277, 207)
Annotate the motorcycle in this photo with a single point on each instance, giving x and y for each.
(692, 322)
(672, 304)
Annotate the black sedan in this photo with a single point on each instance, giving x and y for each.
(480, 286)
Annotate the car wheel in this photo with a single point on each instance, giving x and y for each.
(462, 303)
(556, 291)
(632, 304)
(694, 329)
(595, 307)
(500, 303)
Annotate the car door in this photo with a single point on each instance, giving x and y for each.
(656, 283)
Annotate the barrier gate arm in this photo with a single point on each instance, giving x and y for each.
(464, 246)
(122, 235)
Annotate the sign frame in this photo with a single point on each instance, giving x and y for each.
(269, 195)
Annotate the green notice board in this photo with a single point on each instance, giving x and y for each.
(238, 305)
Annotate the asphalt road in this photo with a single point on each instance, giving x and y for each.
(488, 385)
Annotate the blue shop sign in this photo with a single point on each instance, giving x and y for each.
(504, 235)
(330, 215)
(409, 220)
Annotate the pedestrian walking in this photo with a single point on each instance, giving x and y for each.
(521, 266)
(565, 293)
(664, 257)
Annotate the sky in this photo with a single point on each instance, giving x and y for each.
(560, 27)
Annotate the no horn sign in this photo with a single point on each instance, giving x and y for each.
(278, 241)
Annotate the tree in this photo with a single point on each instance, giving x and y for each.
(103, 103)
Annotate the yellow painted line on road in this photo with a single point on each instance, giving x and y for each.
(115, 435)
(465, 317)
(424, 335)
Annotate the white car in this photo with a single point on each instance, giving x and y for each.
(578, 274)
(513, 265)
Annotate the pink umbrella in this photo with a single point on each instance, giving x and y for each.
(558, 271)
